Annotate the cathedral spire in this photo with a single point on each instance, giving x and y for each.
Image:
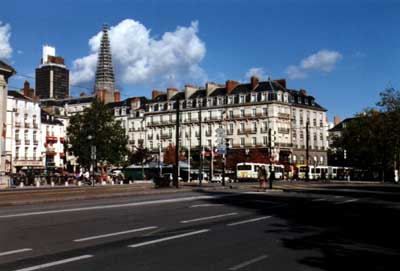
(105, 72)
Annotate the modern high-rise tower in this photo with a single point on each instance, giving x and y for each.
(105, 83)
(52, 76)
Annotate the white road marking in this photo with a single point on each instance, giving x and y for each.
(346, 201)
(322, 199)
(168, 238)
(207, 217)
(14, 251)
(37, 267)
(114, 234)
(249, 220)
(90, 208)
(246, 263)
(338, 197)
(204, 205)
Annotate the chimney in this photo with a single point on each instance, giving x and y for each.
(101, 95)
(281, 82)
(27, 91)
(117, 96)
(254, 82)
(230, 85)
(155, 93)
(189, 90)
(336, 120)
(303, 92)
(211, 86)
(171, 93)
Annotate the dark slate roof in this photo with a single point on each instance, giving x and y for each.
(218, 92)
(49, 119)
(62, 102)
(127, 102)
(180, 95)
(4, 66)
(160, 98)
(199, 94)
(17, 95)
(339, 127)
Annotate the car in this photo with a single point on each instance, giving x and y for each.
(170, 176)
(217, 178)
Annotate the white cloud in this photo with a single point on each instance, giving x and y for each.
(258, 72)
(5, 47)
(323, 61)
(140, 59)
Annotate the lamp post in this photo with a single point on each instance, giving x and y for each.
(92, 158)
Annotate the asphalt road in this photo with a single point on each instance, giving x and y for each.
(204, 231)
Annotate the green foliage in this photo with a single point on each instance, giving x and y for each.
(96, 126)
(372, 138)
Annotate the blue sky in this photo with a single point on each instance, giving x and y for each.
(341, 53)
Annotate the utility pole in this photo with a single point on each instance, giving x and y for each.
(270, 157)
(307, 150)
(189, 157)
(201, 146)
(176, 168)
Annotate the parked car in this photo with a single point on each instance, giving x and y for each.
(217, 178)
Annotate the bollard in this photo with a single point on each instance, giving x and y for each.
(103, 183)
(112, 182)
(52, 183)
(130, 182)
(21, 184)
(79, 183)
(121, 182)
(37, 184)
(66, 183)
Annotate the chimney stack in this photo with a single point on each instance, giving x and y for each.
(27, 91)
(230, 85)
(303, 92)
(117, 96)
(281, 82)
(336, 120)
(155, 93)
(189, 90)
(254, 82)
(171, 93)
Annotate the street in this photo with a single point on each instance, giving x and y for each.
(205, 230)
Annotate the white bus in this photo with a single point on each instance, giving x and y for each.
(249, 171)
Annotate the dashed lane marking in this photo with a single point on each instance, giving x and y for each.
(114, 234)
(168, 238)
(5, 253)
(346, 201)
(41, 266)
(249, 220)
(247, 263)
(208, 217)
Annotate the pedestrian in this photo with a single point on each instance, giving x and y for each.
(262, 177)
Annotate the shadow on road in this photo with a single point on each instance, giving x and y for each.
(357, 236)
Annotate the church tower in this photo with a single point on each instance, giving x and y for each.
(105, 82)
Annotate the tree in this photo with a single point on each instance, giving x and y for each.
(96, 126)
(140, 156)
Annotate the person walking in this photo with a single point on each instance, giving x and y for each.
(262, 177)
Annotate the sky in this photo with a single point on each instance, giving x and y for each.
(341, 52)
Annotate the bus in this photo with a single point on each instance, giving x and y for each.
(249, 171)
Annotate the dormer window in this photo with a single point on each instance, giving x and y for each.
(116, 112)
(241, 99)
(123, 112)
(253, 98)
(189, 103)
(231, 100)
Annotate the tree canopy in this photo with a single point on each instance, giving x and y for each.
(96, 126)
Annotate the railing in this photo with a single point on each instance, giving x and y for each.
(166, 136)
(246, 131)
(284, 130)
(51, 138)
(283, 115)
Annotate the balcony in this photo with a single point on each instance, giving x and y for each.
(27, 161)
(17, 124)
(51, 138)
(284, 130)
(35, 142)
(27, 142)
(246, 131)
(283, 115)
(166, 136)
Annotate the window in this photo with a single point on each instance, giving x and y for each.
(254, 126)
(315, 136)
(241, 99)
(16, 153)
(253, 98)
(26, 153)
(209, 143)
(254, 139)
(16, 134)
(254, 112)
(265, 140)
(294, 134)
(242, 141)
(242, 113)
(265, 111)
(230, 100)
(231, 114)
(26, 134)
(241, 126)
(321, 136)
(190, 116)
(301, 135)
(231, 127)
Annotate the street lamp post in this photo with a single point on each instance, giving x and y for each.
(92, 158)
